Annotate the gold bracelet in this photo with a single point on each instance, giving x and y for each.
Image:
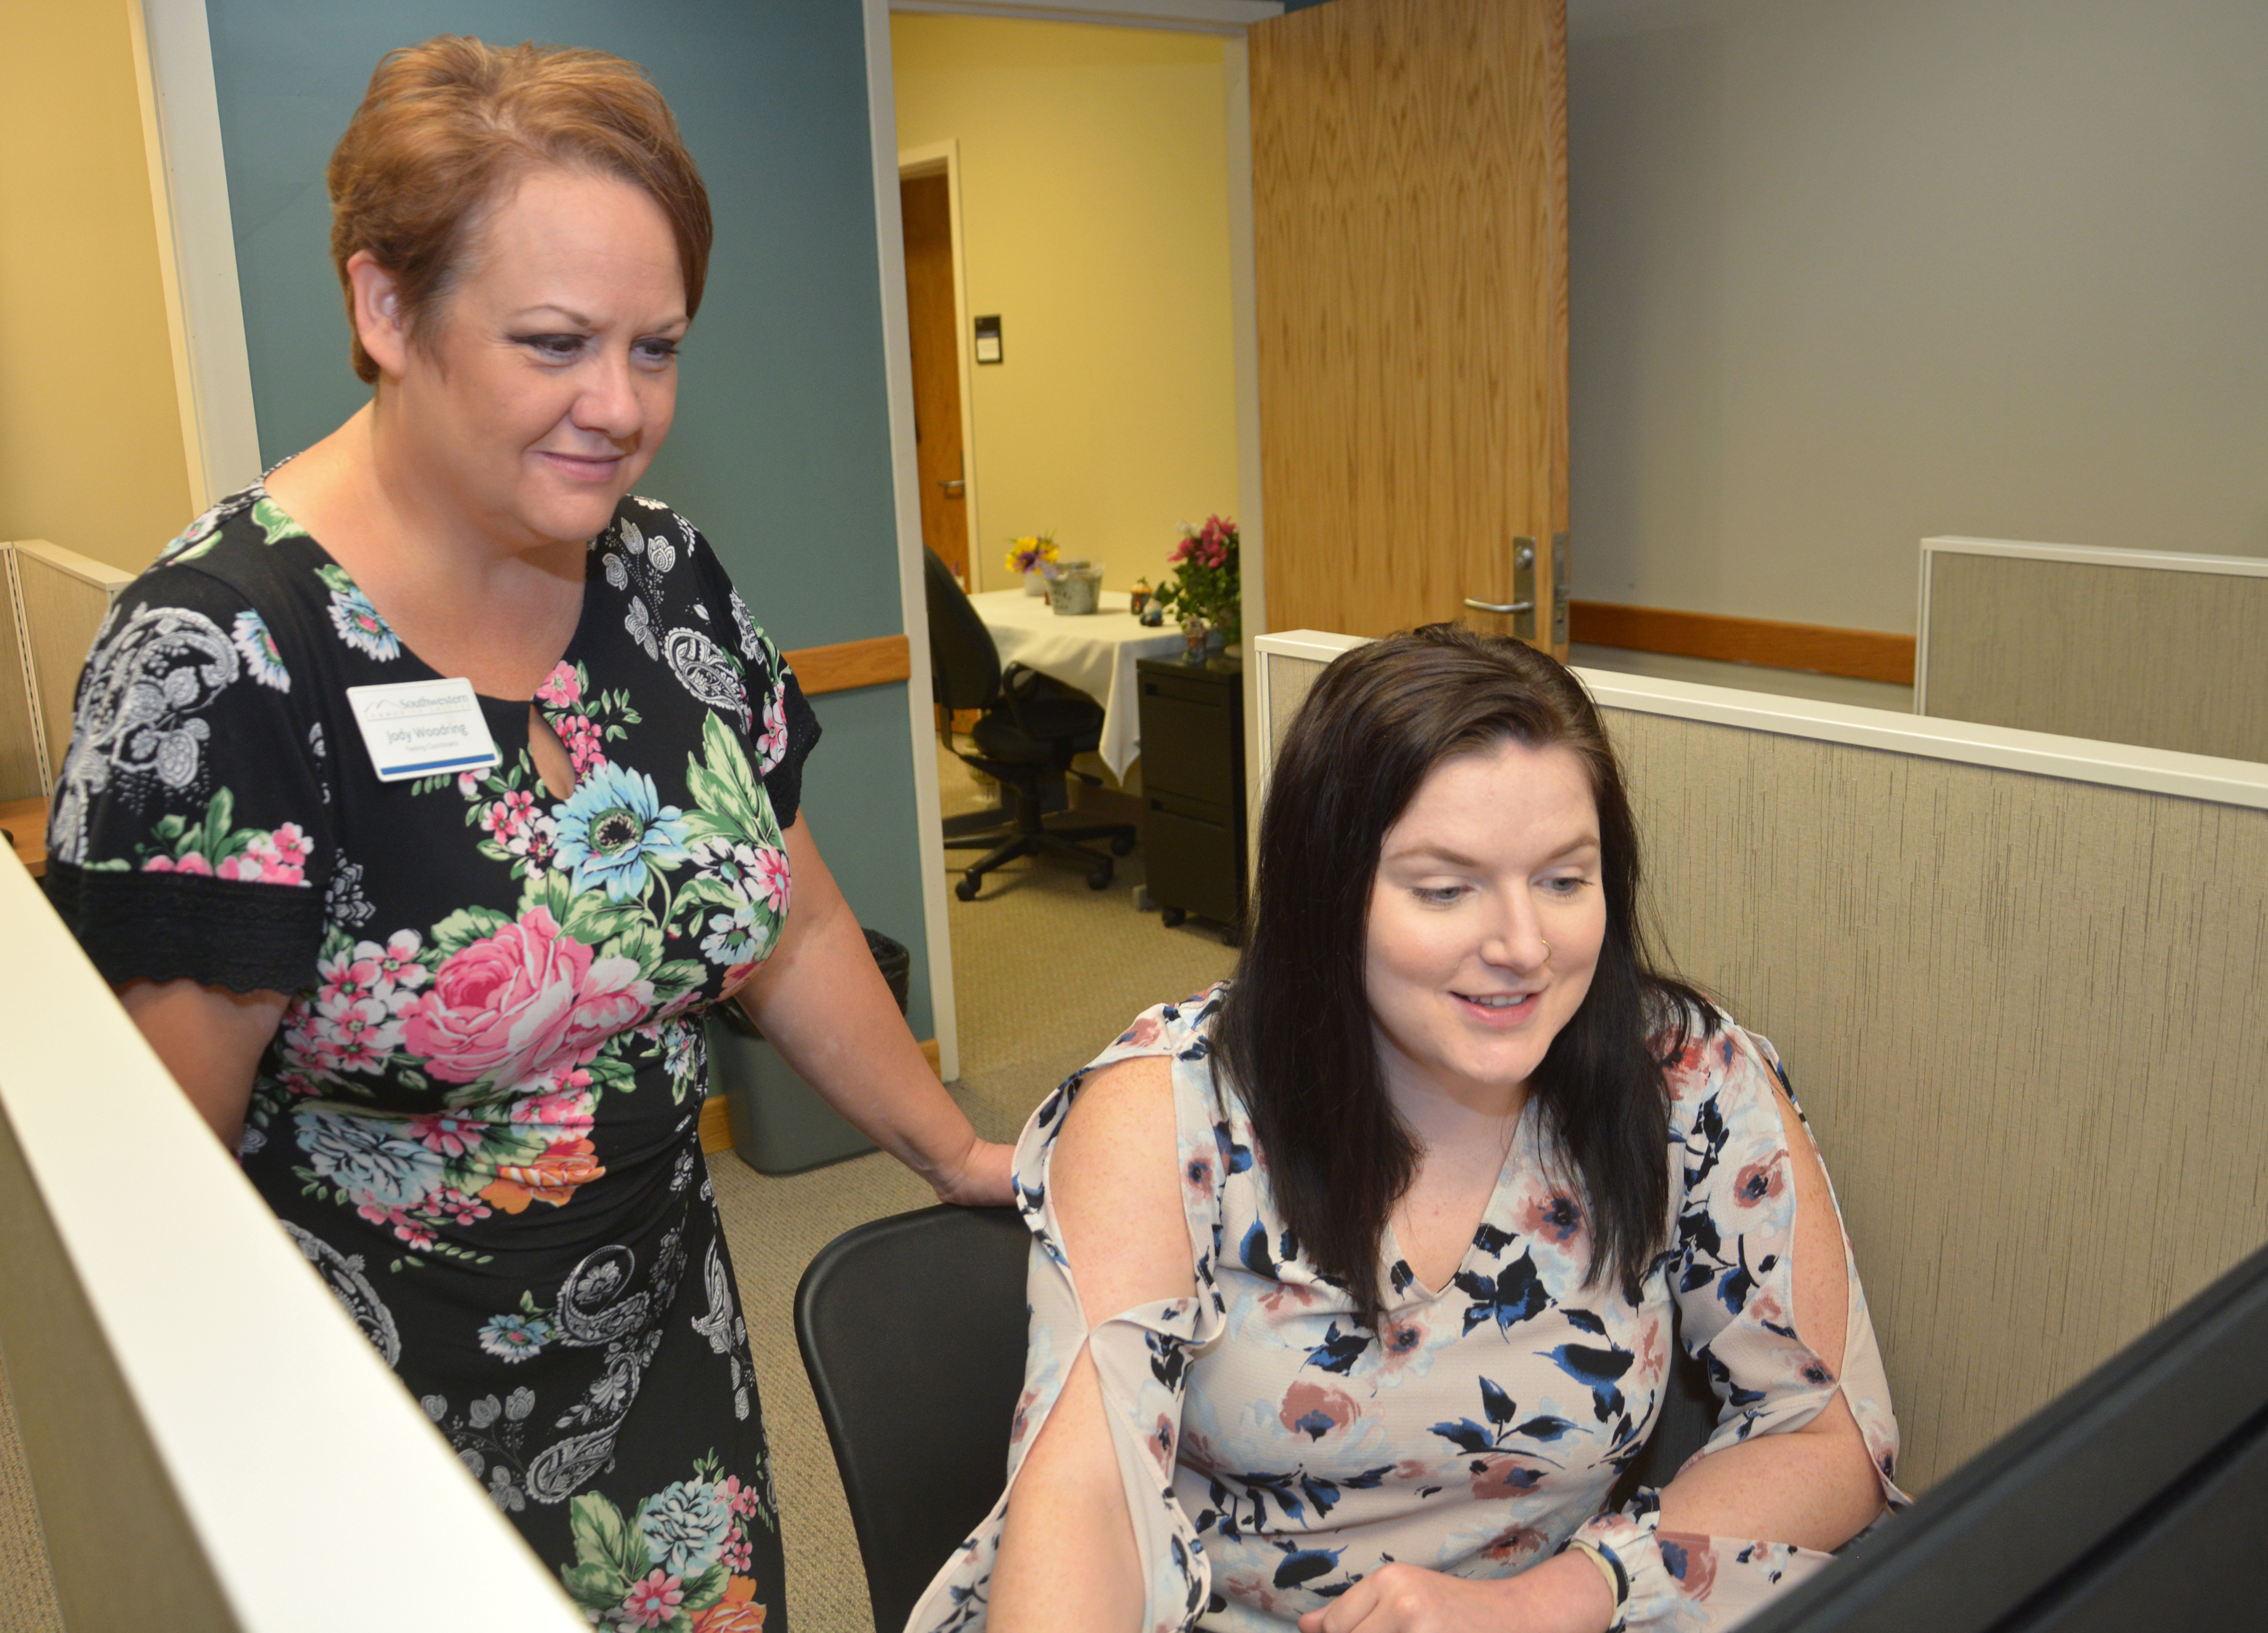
(1616, 1588)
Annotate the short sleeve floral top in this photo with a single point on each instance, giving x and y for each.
(1274, 1451)
(478, 1119)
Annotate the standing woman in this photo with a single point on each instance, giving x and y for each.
(448, 1005)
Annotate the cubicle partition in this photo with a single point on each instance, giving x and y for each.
(2017, 980)
(2152, 647)
(213, 1442)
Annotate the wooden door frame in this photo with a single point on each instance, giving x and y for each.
(1228, 19)
(943, 158)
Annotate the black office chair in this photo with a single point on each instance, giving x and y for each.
(912, 1331)
(1031, 727)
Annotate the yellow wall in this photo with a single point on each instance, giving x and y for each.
(91, 452)
(1094, 213)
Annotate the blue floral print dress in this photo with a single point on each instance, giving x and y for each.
(1274, 1452)
(479, 1119)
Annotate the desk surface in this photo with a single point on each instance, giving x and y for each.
(1095, 652)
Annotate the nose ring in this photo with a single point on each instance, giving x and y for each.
(1547, 950)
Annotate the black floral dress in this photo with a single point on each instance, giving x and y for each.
(479, 1120)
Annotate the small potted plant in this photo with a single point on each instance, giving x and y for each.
(1032, 556)
(1203, 593)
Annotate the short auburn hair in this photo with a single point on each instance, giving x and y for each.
(447, 126)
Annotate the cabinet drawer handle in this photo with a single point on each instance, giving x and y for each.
(1479, 606)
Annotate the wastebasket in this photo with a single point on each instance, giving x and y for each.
(779, 1123)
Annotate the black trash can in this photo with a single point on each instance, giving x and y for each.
(779, 1123)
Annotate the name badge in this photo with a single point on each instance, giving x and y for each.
(423, 728)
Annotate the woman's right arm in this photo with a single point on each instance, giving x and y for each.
(1067, 1551)
(211, 1039)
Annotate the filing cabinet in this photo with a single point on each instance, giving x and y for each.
(1193, 791)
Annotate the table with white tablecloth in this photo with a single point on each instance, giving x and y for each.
(1094, 652)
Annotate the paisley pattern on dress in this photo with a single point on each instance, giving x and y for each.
(478, 1119)
(1286, 1451)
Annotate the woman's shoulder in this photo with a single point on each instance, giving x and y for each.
(1707, 1055)
(652, 554)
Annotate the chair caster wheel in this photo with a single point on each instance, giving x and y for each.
(1122, 847)
(1100, 879)
(967, 889)
(1173, 916)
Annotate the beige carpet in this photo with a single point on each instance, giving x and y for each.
(1048, 972)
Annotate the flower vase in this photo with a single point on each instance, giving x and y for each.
(1196, 637)
(1036, 582)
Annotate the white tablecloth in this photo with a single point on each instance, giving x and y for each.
(1096, 653)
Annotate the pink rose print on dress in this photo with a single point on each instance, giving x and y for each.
(1317, 1409)
(1692, 1561)
(1761, 1181)
(1518, 1540)
(1502, 1476)
(1554, 1218)
(528, 1000)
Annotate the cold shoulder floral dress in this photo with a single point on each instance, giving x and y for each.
(479, 1120)
(1274, 1452)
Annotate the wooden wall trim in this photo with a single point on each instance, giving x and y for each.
(1861, 654)
(848, 663)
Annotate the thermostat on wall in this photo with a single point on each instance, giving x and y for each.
(988, 340)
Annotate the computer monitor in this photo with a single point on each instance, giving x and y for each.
(2137, 1500)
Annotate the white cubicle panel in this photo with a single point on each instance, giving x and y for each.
(213, 1443)
(2017, 980)
(2127, 646)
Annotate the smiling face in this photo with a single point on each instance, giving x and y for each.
(1496, 856)
(544, 384)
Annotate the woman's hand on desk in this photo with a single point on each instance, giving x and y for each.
(1565, 1594)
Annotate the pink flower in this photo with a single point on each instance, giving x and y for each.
(580, 735)
(506, 817)
(469, 785)
(566, 1110)
(530, 999)
(654, 1601)
(1761, 1182)
(1317, 1409)
(564, 689)
(193, 863)
(743, 1499)
(772, 877)
(406, 1229)
(771, 745)
(446, 1132)
(1499, 1476)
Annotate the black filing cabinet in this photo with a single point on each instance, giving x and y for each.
(1193, 790)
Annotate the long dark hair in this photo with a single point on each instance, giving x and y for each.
(1294, 1033)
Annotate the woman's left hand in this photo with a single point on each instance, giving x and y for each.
(981, 1180)
(1565, 1594)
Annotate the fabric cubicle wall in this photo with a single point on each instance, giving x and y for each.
(2130, 646)
(189, 1391)
(2015, 979)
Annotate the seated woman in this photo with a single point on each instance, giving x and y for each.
(1361, 1273)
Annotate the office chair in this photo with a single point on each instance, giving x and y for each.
(912, 1332)
(1025, 739)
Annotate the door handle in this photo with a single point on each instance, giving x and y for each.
(953, 487)
(1480, 606)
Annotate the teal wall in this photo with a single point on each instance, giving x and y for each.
(780, 449)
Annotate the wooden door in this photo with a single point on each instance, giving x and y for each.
(926, 203)
(1410, 227)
